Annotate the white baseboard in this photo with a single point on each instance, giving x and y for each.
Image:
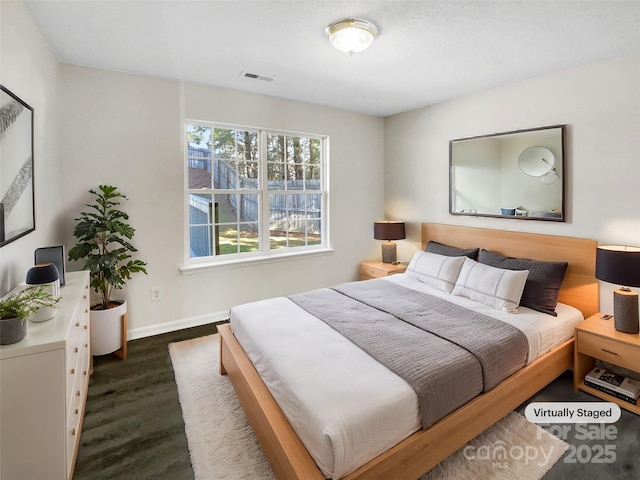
(151, 330)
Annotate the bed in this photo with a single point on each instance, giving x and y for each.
(421, 449)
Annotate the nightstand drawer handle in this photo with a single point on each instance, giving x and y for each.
(608, 351)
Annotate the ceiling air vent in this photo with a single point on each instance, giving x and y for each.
(257, 76)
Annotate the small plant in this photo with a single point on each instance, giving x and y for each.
(26, 302)
(103, 239)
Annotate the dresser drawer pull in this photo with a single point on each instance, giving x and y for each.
(75, 350)
(73, 432)
(73, 370)
(77, 324)
(78, 393)
(608, 351)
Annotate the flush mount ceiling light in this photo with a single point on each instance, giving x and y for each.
(351, 35)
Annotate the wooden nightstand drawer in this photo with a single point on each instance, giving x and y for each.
(370, 269)
(608, 350)
(367, 271)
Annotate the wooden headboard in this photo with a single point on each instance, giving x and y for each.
(580, 287)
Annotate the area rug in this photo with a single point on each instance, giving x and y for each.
(222, 445)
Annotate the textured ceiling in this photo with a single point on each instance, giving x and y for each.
(427, 51)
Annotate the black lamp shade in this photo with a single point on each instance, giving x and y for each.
(618, 264)
(42, 273)
(388, 231)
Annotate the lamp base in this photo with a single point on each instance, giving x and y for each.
(389, 252)
(625, 311)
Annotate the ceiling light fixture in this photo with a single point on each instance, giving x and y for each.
(351, 35)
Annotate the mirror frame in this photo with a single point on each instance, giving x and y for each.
(560, 171)
(16, 135)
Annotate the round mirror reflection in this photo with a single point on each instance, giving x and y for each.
(536, 161)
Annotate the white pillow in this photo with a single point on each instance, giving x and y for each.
(436, 270)
(492, 286)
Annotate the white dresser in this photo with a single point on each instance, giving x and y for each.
(43, 389)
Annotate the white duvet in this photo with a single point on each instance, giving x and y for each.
(345, 406)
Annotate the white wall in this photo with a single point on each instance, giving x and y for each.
(126, 130)
(29, 69)
(601, 105)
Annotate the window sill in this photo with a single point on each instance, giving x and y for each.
(246, 262)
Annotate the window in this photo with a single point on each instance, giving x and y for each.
(254, 192)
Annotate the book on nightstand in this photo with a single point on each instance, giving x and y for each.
(625, 388)
(632, 401)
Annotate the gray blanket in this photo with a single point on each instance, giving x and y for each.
(447, 353)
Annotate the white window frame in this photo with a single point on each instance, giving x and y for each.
(264, 253)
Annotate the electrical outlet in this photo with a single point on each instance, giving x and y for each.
(156, 294)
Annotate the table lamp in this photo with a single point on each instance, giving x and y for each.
(387, 230)
(621, 265)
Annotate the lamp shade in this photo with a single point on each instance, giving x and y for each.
(618, 264)
(388, 230)
(42, 273)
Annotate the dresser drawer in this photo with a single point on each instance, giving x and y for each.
(608, 350)
(74, 420)
(72, 362)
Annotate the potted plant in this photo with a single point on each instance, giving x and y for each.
(16, 308)
(104, 241)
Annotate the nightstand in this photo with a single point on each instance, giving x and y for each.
(598, 339)
(369, 270)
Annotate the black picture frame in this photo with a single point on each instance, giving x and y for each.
(53, 255)
(17, 189)
(468, 193)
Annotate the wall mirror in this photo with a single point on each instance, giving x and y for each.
(16, 168)
(517, 174)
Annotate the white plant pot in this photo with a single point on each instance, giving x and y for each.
(106, 329)
(46, 313)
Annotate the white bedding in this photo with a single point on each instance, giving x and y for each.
(346, 407)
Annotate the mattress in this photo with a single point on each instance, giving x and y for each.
(346, 407)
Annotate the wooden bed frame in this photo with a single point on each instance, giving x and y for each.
(420, 452)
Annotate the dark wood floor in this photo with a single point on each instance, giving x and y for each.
(585, 459)
(133, 426)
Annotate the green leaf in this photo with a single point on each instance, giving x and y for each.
(26, 302)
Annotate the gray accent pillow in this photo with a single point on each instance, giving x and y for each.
(450, 251)
(543, 283)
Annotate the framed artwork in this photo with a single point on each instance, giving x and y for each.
(17, 206)
(53, 255)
